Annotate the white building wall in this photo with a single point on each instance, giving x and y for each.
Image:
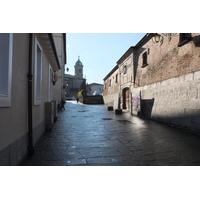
(14, 118)
(58, 90)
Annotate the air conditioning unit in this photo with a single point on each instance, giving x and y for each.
(49, 115)
(55, 110)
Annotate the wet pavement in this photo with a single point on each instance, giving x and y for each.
(90, 135)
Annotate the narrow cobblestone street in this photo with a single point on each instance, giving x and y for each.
(90, 135)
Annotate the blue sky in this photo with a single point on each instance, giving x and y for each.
(98, 52)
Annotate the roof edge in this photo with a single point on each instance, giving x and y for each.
(54, 48)
(126, 54)
(147, 37)
(113, 70)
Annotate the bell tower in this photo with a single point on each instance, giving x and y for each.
(78, 69)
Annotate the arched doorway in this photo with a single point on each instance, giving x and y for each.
(125, 93)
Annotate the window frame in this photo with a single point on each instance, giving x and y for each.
(125, 70)
(37, 80)
(144, 59)
(5, 99)
(116, 78)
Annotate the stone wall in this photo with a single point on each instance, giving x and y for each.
(111, 100)
(112, 88)
(168, 80)
(165, 60)
(97, 99)
(176, 100)
(169, 83)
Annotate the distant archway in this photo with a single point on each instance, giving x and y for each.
(125, 93)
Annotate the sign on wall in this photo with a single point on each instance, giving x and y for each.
(136, 102)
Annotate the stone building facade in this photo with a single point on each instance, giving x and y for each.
(163, 82)
(111, 92)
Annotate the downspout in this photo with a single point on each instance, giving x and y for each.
(30, 97)
(120, 93)
(64, 46)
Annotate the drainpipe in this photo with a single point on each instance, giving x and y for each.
(30, 97)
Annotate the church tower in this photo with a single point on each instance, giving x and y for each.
(78, 69)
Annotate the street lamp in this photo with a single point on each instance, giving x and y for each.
(156, 38)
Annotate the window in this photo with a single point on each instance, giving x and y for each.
(144, 59)
(38, 73)
(116, 78)
(125, 70)
(184, 38)
(6, 48)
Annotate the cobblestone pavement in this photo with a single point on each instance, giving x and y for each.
(90, 135)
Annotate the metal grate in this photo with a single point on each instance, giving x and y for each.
(124, 121)
(107, 118)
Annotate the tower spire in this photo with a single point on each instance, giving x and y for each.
(79, 68)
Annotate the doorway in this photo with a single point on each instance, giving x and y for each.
(125, 93)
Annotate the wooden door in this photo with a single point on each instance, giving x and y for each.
(126, 98)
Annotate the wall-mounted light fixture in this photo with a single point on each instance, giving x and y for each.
(156, 38)
(159, 38)
(66, 68)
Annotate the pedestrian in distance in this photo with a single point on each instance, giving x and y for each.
(77, 99)
(63, 104)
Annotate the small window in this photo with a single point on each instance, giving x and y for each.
(144, 59)
(6, 48)
(38, 73)
(184, 38)
(116, 78)
(110, 83)
(125, 70)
